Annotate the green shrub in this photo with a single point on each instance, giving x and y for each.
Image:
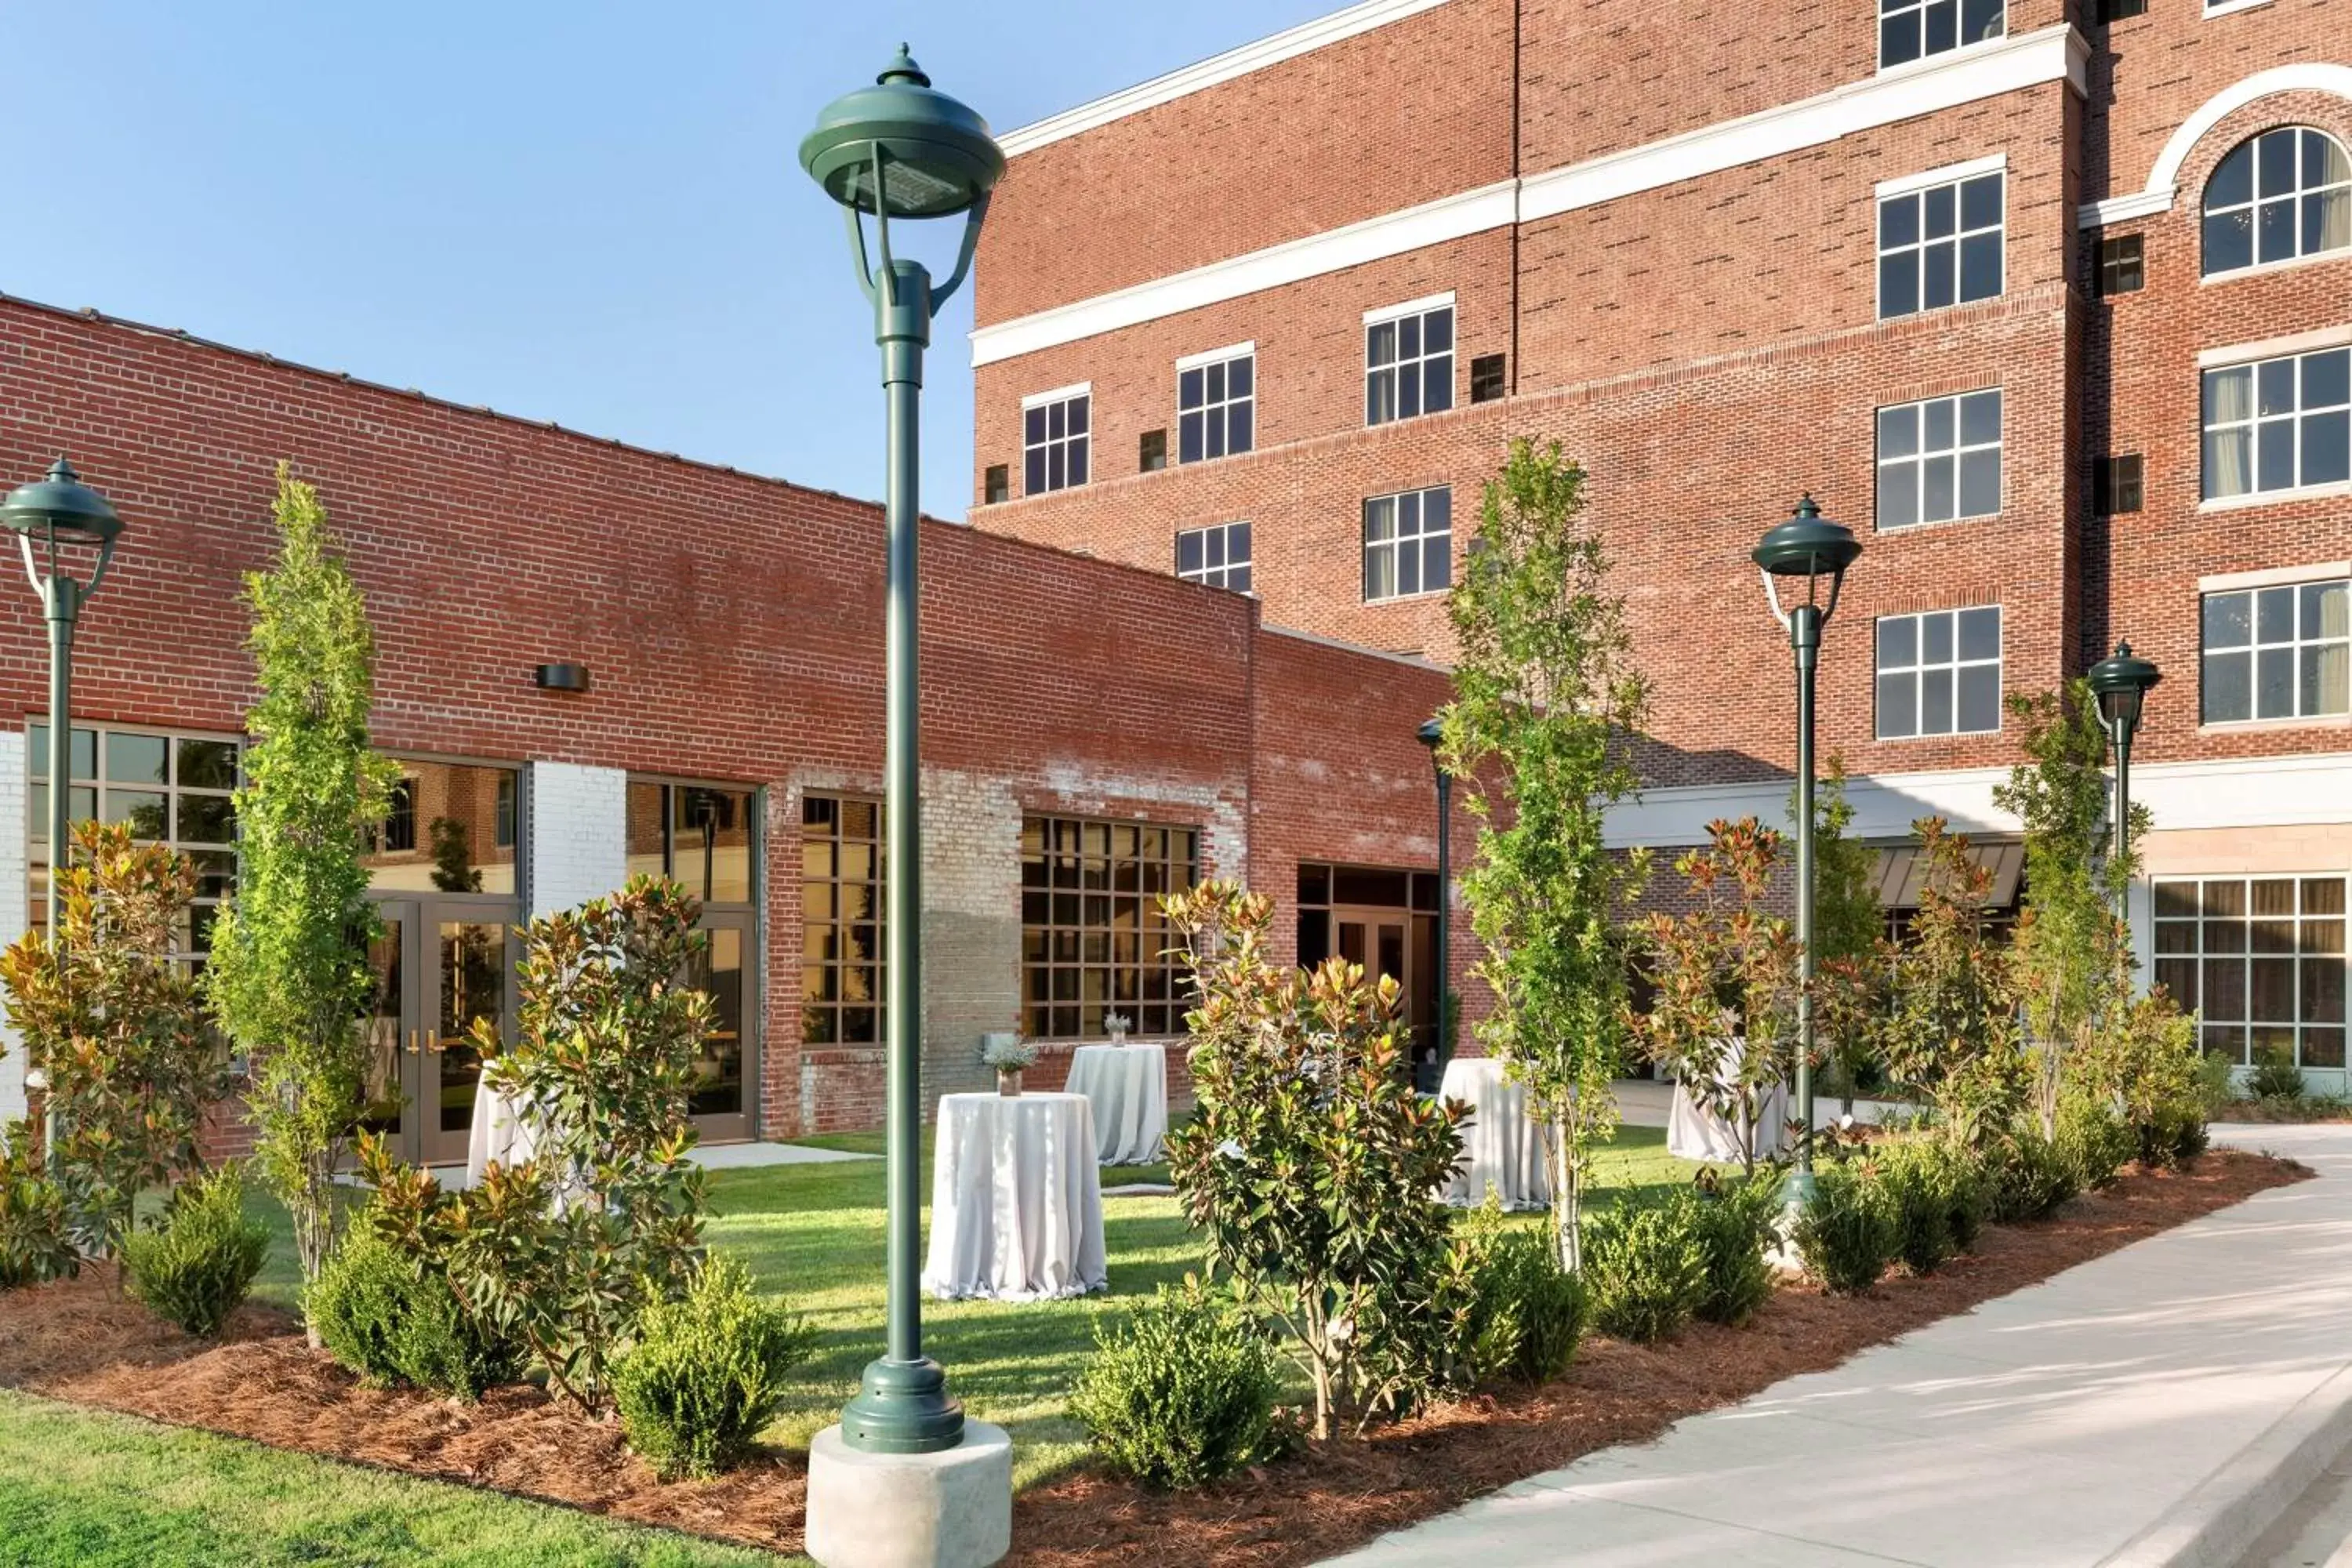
(2032, 1177)
(1850, 1232)
(1919, 1186)
(379, 1318)
(1524, 1286)
(706, 1372)
(2174, 1137)
(36, 1228)
(2274, 1077)
(193, 1266)
(1181, 1392)
(1968, 1192)
(1738, 1224)
(2096, 1139)
(1644, 1268)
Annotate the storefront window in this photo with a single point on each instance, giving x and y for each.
(2261, 961)
(443, 833)
(841, 920)
(700, 834)
(1093, 940)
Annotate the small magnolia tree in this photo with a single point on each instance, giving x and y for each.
(2070, 948)
(566, 1248)
(1724, 1021)
(1950, 1028)
(1547, 705)
(1312, 1167)
(1849, 942)
(116, 1028)
(288, 979)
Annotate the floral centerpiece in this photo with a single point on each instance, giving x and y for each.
(1008, 1054)
(1117, 1025)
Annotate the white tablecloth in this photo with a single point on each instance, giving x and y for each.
(1016, 1202)
(1128, 1087)
(500, 1131)
(1694, 1131)
(1501, 1147)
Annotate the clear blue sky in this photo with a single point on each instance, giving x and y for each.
(584, 212)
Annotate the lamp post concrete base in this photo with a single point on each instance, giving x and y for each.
(952, 1509)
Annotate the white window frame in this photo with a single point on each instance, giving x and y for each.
(1219, 574)
(1921, 669)
(1216, 415)
(2298, 594)
(1961, 456)
(1391, 546)
(1393, 370)
(1915, 253)
(1926, 55)
(2262, 428)
(2297, 196)
(2241, 953)
(1081, 442)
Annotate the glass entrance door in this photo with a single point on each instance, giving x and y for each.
(723, 971)
(440, 965)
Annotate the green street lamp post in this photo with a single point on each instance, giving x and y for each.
(1432, 732)
(2122, 682)
(900, 149)
(50, 516)
(1810, 547)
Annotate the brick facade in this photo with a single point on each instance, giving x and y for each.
(733, 628)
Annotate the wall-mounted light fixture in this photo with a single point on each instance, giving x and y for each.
(561, 677)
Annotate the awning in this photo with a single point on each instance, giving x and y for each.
(1903, 869)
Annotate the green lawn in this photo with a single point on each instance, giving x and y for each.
(128, 1492)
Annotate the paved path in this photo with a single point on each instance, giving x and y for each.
(2084, 1421)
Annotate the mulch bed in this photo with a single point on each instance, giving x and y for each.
(76, 1342)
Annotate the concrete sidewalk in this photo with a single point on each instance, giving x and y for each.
(2161, 1404)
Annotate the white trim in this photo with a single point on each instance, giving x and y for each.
(1903, 186)
(2284, 264)
(1059, 394)
(1410, 308)
(2328, 491)
(2122, 209)
(2276, 577)
(1374, 239)
(2275, 348)
(1217, 357)
(2054, 54)
(1203, 74)
(2228, 6)
(1987, 70)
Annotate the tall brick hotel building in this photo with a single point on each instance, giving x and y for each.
(2050, 301)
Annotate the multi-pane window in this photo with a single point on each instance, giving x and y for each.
(1055, 441)
(2278, 425)
(1218, 556)
(451, 829)
(2116, 10)
(1409, 362)
(2277, 653)
(1939, 459)
(1216, 403)
(2118, 484)
(996, 484)
(2123, 265)
(1486, 378)
(1093, 940)
(1940, 245)
(2261, 961)
(2278, 197)
(699, 835)
(1912, 29)
(1152, 451)
(170, 789)
(1939, 673)
(1408, 543)
(841, 919)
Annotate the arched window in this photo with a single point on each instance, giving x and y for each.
(2278, 197)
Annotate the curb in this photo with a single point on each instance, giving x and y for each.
(2228, 1511)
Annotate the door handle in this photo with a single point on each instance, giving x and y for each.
(433, 1041)
(412, 1042)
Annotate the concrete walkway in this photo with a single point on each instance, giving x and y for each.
(2161, 1404)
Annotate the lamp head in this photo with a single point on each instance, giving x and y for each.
(938, 157)
(1432, 732)
(59, 505)
(1807, 545)
(2121, 681)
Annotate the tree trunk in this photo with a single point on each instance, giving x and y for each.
(1566, 1202)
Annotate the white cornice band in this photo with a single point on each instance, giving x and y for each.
(1256, 55)
(1986, 70)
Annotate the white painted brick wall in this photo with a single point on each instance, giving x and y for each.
(15, 914)
(578, 823)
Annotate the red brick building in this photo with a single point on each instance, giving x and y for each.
(2051, 302)
(1093, 733)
